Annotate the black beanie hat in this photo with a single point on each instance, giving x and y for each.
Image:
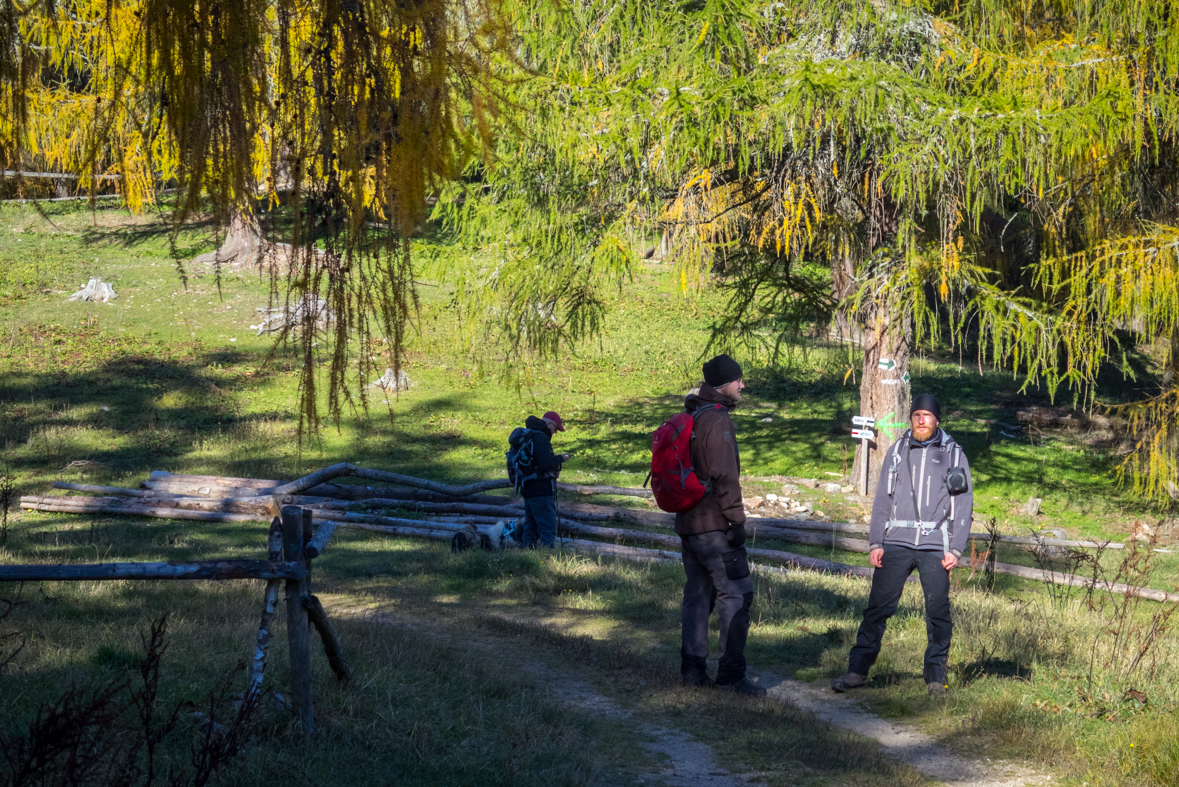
(926, 402)
(721, 370)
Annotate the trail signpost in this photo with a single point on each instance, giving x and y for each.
(865, 435)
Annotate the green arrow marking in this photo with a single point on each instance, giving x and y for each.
(888, 425)
(887, 364)
(905, 378)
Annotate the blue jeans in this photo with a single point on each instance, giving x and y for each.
(888, 582)
(540, 522)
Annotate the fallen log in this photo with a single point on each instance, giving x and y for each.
(398, 530)
(112, 490)
(203, 569)
(217, 486)
(1059, 578)
(411, 505)
(216, 480)
(789, 558)
(433, 486)
(314, 479)
(154, 512)
(805, 537)
(590, 489)
(232, 505)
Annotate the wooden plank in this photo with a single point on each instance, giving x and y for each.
(298, 634)
(203, 569)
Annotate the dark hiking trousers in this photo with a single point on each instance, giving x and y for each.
(540, 522)
(888, 582)
(717, 576)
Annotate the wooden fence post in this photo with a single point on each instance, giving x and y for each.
(298, 632)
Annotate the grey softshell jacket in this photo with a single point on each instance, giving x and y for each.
(913, 472)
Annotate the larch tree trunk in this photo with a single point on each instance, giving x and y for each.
(846, 328)
(884, 388)
(244, 245)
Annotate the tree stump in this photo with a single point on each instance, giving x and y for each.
(244, 246)
(96, 290)
(393, 381)
(283, 318)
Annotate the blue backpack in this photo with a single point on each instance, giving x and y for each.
(520, 456)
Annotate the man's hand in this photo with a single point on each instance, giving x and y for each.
(949, 561)
(876, 558)
(564, 457)
(736, 536)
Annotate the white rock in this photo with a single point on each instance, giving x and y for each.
(832, 488)
(772, 498)
(789, 489)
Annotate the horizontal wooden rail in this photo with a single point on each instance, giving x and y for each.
(204, 569)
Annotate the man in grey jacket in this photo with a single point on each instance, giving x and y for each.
(920, 520)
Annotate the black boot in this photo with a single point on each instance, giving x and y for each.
(743, 687)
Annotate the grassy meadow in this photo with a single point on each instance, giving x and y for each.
(172, 377)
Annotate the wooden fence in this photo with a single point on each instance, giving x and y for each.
(290, 550)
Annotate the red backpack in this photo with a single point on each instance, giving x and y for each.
(673, 479)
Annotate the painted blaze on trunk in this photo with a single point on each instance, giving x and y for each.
(884, 388)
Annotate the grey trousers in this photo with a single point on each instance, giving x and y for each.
(717, 576)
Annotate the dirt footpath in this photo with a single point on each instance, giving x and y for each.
(688, 763)
(910, 746)
(692, 763)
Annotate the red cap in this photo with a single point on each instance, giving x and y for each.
(551, 416)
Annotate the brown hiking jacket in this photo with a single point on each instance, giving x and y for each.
(717, 462)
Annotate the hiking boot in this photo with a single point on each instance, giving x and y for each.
(852, 680)
(937, 688)
(701, 681)
(743, 687)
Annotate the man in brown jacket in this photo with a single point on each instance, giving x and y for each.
(713, 537)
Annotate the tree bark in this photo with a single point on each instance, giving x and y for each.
(242, 244)
(269, 605)
(884, 389)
